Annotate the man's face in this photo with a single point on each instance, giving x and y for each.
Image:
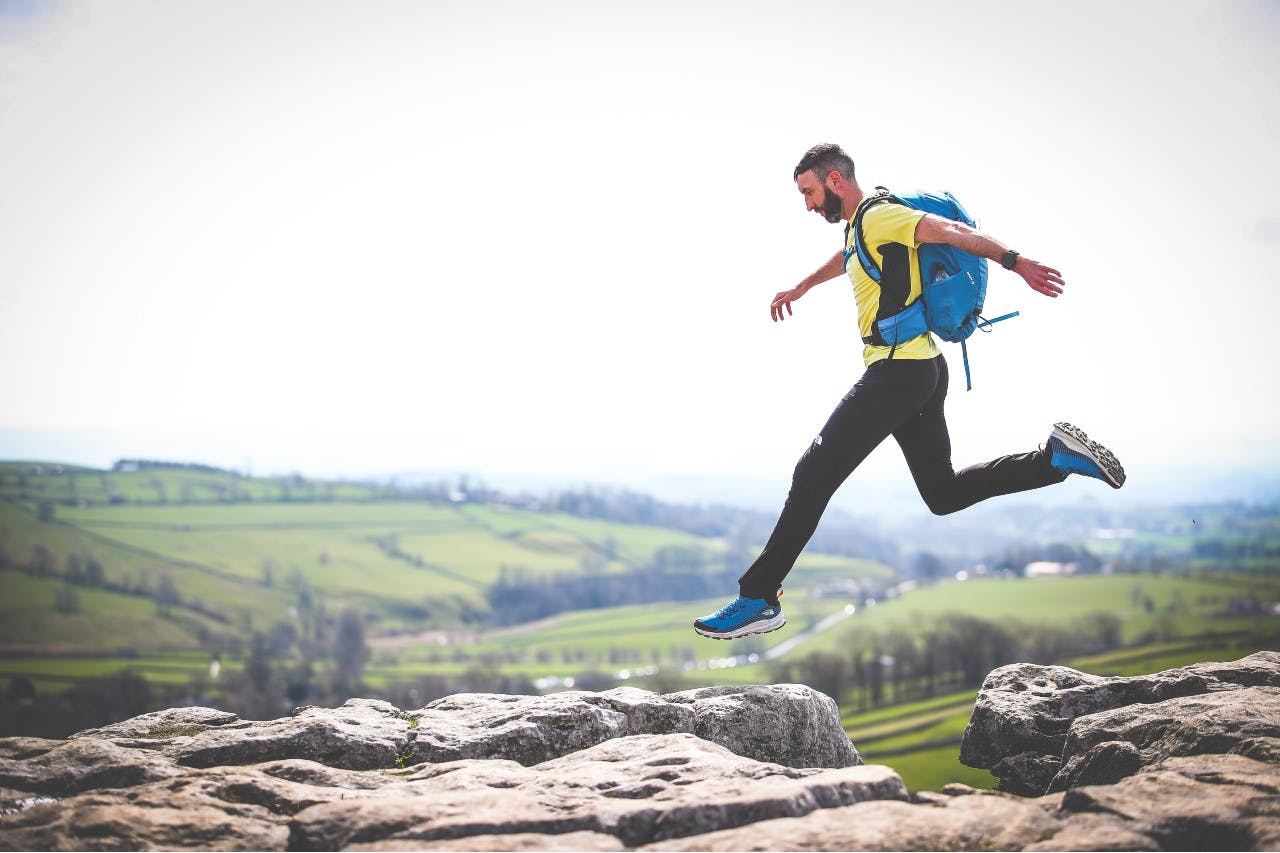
(819, 198)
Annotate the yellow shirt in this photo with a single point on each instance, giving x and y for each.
(889, 231)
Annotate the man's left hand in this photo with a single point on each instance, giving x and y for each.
(1041, 278)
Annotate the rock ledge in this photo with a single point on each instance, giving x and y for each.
(1180, 760)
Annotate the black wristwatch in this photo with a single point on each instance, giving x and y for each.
(1009, 259)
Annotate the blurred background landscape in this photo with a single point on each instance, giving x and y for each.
(153, 584)
(408, 347)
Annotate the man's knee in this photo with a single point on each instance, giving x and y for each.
(942, 504)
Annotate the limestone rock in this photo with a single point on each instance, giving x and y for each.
(165, 725)
(1265, 749)
(363, 734)
(1195, 764)
(518, 842)
(638, 788)
(145, 818)
(963, 823)
(1024, 715)
(1202, 802)
(1106, 747)
(787, 724)
(70, 767)
(533, 729)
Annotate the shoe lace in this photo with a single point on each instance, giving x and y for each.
(729, 609)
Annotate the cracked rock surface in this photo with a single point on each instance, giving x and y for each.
(1181, 760)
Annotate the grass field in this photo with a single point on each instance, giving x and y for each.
(408, 565)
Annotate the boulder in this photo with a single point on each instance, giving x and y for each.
(789, 724)
(1106, 747)
(1024, 715)
(362, 734)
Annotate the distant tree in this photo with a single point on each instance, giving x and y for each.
(349, 648)
(166, 594)
(65, 599)
(269, 567)
(75, 569)
(826, 672)
(298, 682)
(282, 638)
(1104, 628)
(21, 689)
(42, 561)
(928, 567)
(594, 681)
(45, 511)
(257, 668)
(592, 562)
(93, 571)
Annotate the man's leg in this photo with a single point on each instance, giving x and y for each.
(888, 393)
(926, 445)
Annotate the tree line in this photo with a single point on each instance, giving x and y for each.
(674, 573)
(951, 652)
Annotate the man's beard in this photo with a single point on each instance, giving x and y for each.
(832, 207)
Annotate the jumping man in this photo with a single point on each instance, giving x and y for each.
(900, 394)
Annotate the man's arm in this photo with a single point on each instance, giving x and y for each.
(938, 229)
(826, 272)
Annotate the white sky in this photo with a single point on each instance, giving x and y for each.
(541, 238)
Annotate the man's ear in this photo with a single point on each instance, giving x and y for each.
(835, 180)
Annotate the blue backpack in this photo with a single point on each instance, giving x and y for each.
(953, 282)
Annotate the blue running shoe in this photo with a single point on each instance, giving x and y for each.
(740, 617)
(1074, 453)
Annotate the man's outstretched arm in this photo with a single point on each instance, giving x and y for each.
(938, 229)
(826, 272)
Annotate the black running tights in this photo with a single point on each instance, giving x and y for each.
(903, 398)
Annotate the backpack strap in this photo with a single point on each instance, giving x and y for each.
(896, 302)
(869, 265)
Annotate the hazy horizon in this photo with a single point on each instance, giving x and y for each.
(880, 487)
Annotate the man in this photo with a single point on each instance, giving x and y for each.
(900, 394)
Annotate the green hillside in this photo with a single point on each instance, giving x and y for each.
(154, 569)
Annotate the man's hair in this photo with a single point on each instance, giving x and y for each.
(823, 159)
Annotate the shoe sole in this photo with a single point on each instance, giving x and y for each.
(1078, 441)
(754, 628)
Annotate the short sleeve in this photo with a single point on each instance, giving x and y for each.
(891, 223)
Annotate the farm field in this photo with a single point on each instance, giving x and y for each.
(172, 577)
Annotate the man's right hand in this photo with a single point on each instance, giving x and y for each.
(783, 301)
